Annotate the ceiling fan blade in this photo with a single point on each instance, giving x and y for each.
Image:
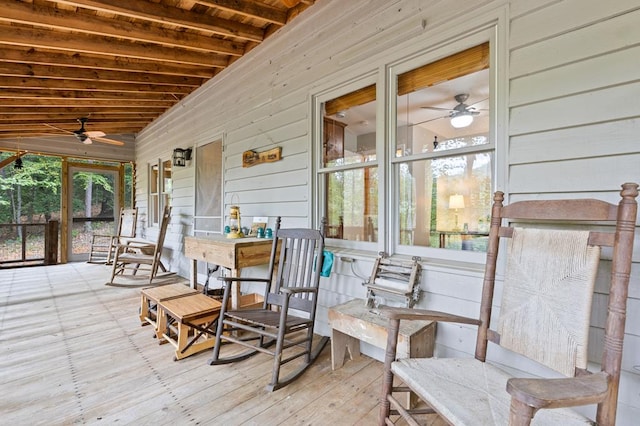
(58, 128)
(431, 119)
(436, 108)
(108, 141)
(95, 134)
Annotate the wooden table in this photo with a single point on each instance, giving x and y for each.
(231, 253)
(194, 327)
(353, 322)
(151, 296)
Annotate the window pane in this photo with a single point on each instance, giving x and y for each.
(427, 117)
(153, 179)
(166, 175)
(349, 136)
(445, 202)
(352, 204)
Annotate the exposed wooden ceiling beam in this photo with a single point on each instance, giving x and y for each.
(139, 117)
(249, 8)
(77, 111)
(67, 73)
(51, 18)
(155, 12)
(92, 44)
(50, 83)
(81, 94)
(29, 55)
(60, 103)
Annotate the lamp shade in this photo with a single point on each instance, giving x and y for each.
(462, 119)
(456, 201)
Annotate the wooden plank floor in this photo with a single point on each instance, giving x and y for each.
(73, 352)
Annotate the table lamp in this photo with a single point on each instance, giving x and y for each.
(456, 202)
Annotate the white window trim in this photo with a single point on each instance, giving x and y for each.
(494, 30)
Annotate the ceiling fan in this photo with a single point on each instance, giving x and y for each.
(87, 137)
(462, 114)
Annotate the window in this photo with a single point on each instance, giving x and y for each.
(348, 171)
(160, 187)
(443, 158)
(432, 175)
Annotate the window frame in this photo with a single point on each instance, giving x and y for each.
(385, 78)
(157, 201)
(320, 170)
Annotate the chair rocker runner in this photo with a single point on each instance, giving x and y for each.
(288, 313)
(131, 253)
(103, 247)
(544, 316)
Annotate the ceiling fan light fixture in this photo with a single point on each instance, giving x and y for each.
(87, 141)
(461, 119)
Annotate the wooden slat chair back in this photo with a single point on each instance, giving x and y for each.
(103, 246)
(553, 254)
(287, 317)
(132, 253)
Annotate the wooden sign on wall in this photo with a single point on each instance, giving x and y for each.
(251, 158)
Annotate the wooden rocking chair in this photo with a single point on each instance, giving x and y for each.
(544, 316)
(289, 310)
(103, 247)
(132, 253)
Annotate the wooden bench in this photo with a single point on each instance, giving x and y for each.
(353, 322)
(151, 296)
(193, 327)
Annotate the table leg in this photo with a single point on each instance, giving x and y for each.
(193, 274)
(235, 290)
(342, 344)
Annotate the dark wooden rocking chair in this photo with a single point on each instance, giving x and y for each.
(549, 277)
(288, 314)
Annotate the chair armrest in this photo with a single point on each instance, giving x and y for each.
(422, 314)
(142, 245)
(295, 290)
(245, 279)
(129, 241)
(556, 393)
(102, 236)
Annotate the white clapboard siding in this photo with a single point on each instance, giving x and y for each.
(555, 17)
(571, 93)
(572, 43)
(594, 140)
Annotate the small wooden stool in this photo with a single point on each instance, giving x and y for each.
(151, 296)
(194, 327)
(353, 322)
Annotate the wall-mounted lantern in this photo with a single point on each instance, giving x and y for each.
(181, 156)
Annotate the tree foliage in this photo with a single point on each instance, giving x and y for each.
(32, 192)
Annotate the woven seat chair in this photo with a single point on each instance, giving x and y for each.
(550, 266)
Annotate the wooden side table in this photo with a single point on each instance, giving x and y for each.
(233, 254)
(193, 329)
(151, 296)
(353, 322)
